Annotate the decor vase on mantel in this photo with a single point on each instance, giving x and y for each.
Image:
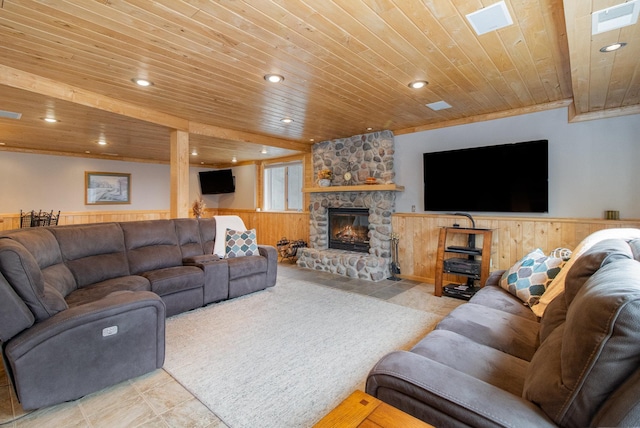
(324, 182)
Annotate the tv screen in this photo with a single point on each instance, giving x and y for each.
(215, 182)
(502, 178)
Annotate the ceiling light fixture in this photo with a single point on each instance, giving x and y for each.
(418, 84)
(613, 47)
(286, 120)
(234, 159)
(142, 82)
(50, 119)
(102, 142)
(194, 152)
(273, 78)
(263, 151)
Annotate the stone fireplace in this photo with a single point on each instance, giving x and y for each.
(364, 156)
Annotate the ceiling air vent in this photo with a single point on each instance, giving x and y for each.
(490, 18)
(615, 17)
(10, 114)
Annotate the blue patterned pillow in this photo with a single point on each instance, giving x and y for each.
(240, 243)
(528, 279)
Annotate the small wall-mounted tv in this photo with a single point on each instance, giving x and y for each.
(218, 181)
(502, 178)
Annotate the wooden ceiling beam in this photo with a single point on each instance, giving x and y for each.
(33, 83)
(247, 137)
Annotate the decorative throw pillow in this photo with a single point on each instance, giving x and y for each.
(528, 279)
(240, 243)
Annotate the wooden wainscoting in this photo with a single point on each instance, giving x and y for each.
(270, 226)
(273, 226)
(513, 237)
(12, 221)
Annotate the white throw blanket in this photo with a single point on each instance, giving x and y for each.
(557, 285)
(224, 222)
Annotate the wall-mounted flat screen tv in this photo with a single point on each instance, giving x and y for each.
(216, 182)
(502, 178)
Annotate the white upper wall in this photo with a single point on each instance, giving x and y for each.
(593, 165)
(46, 182)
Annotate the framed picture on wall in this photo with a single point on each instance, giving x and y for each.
(107, 188)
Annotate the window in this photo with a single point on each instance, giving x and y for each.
(283, 187)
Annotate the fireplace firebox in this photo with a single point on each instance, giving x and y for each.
(349, 229)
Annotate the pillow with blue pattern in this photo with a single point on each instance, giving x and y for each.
(529, 277)
(240, 243)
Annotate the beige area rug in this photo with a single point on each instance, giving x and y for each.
(284, 357)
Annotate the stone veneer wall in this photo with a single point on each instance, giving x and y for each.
(369, 155)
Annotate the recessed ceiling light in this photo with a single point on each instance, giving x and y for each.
(3, 144)
(418, 84)
(87, 151)
(142, 82)
(263, 151)
(194, 152)
(312, 139)
(234, 159)
(440, 105)
(273, 78)
(102, 142)
(286, 120)
(369, 129)
(613, 47)
(50, 119)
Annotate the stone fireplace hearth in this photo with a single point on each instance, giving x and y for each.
(365, 156)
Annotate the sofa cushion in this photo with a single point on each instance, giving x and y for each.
(503, 331)
(495, 297)
(207, 234)
(171, 280)
(151, 245)
(44, 247)
(188, 231)
(600, 254)
(245, 266)
(93, 253)
(240, 243)
(102, 289)
(21, 270)
(529, 277)
(594, 351)
(480, 361)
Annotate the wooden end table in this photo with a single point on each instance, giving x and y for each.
(362, 410)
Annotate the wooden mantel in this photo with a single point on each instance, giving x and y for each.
(358, 188)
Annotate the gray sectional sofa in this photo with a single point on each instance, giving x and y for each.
(83, 307)
(492, 363)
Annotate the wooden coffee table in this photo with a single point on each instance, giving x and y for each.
(362, 410)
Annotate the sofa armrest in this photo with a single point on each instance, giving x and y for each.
(216, 277)
(444, 396)
(88, 347)
(272, 263)
(494, 277)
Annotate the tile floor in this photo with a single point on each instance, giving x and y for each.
(157, 400)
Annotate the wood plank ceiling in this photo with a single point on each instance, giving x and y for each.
(346, 63)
